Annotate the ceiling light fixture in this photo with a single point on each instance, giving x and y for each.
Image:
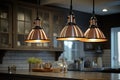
(93, 33)
(71, 31)
(105, 10)
(37, 34)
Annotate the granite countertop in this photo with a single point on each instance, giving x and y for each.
(75, 75)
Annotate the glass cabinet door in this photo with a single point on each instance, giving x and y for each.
(45, 24)
(24, 25)
(58, 23)
(5, 27)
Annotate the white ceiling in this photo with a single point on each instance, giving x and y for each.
(113, 6)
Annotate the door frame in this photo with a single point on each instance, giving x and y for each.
(114, 47)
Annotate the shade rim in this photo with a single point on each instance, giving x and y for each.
(69, 38)
(37, 41)
(94, 40)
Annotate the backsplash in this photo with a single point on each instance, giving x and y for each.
(19, 58)
(106, 58)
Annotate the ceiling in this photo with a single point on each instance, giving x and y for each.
(113, 6)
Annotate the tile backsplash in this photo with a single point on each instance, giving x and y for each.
(106, 58)
(19, 58)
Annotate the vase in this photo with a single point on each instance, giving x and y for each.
(34, 66)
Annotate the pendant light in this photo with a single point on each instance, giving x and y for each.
(37, 34)
(93, 33)
(71, 31)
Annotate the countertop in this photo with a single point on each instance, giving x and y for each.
(70, 75)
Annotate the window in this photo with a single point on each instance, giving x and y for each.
(115, 47)
(119, 46)
(73, 50)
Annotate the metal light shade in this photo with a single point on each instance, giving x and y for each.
(37, 34)
(71, 31)
(93, 33)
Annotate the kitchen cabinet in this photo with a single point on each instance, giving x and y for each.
(57, 27)
(5, 26)
(22, 25)
(97, 47)
(22, 21)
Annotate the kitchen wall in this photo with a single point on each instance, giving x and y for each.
(106, 57)
(106, 22)
(19, 58)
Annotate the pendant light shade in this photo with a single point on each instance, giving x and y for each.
(71, 31)
(93, 33)
(37, 34)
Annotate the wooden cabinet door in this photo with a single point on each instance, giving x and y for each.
(22, 25)
(5, 26)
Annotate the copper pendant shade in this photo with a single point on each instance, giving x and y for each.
(37, 34)
(93, 33)
(71, 31)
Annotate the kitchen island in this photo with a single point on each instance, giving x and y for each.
(70, 75)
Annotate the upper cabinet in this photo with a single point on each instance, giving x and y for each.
(58, 22)
(22, 25)
(14, 32)
(5, 26)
